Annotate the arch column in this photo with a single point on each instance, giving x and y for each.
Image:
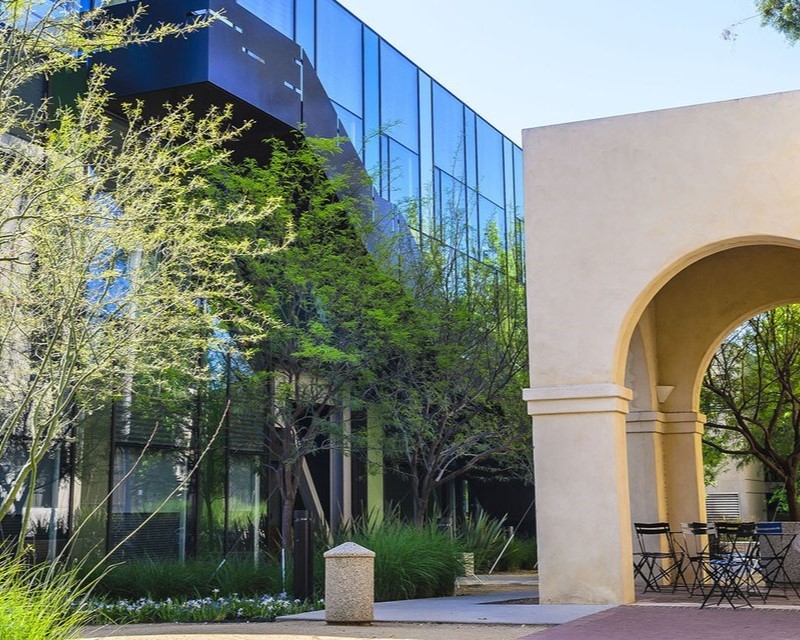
(683, 461)
(582, 499)
(645, 431)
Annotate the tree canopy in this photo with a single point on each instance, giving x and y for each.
(113, 267)
(751, 395)
(781, 15)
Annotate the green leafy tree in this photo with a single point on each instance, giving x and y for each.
(451, 393)
(781, 15)
(751, 395)
(336, 310)
(113, 266)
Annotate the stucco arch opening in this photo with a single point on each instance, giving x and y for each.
(669, 350)
(649, 238)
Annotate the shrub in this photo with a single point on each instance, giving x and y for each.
(410, 562)
(39, 604)
(521, 554)
(160, 579)
(483, 536)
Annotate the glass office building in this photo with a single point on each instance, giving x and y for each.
(452, 178)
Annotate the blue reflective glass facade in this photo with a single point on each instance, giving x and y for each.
(418, 141)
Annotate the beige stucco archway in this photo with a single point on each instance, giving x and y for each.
(649, 238)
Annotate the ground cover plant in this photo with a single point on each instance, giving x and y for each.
(165, 590)
(209, 609)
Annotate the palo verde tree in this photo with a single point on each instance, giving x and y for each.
(113, 266)
(451, 394)
(751, 395)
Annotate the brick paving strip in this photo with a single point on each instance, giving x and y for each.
(659, 622)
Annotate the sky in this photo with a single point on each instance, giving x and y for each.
(528, 63)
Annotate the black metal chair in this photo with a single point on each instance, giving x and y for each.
(700, 545)
(733, 566)
(657, 560)
(774, 545)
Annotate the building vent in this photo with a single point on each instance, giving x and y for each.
(723, 506)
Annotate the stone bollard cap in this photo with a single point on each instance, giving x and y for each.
(349, 550)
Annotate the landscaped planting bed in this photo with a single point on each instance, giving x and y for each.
(208, 609)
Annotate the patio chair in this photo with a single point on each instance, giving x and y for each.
(658, 560)
(774, 545)
(733, 566)
(700, 545)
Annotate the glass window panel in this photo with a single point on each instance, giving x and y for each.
(150, 478)
(351, 127)
(371, 104)
(508, 165)
(519, 247)
(448, 132)
(304, 27)
(492, 227)
(403, 174)
(339, 55)
(278, 13)
(472, 153)
(384, 166)
(426, 146)
(473, 225)
(490, 163)
(399, 97)
(453, 209)
(245, 507)
(519, 204)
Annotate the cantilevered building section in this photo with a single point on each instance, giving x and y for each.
(285, 62)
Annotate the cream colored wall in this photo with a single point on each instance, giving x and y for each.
(616, 207)
(748, 482)
(682, 223)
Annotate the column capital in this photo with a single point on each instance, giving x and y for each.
(579, 398)
(685, 422)
(645, 422)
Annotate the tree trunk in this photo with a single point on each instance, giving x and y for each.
(790, 484)
(422, 497)
(289, 487)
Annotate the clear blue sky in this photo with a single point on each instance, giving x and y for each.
(526, 63)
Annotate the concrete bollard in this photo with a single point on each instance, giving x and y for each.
(349, 584)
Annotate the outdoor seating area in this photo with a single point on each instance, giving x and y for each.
(724, 563)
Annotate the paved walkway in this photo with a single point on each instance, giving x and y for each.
(686, 623)
(475, 617)
(486, 617)
(477, 609)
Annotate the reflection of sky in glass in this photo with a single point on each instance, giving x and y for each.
(448, 132)
(399, 97)
(339, 55)
(278, 13)
(107, 290)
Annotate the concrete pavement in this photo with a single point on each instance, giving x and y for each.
(475, 609)
(474, 617)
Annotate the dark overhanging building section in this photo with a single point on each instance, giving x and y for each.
(283, 64)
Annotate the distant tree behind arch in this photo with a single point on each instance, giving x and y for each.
(751, 395)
